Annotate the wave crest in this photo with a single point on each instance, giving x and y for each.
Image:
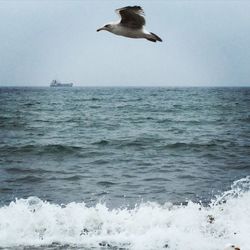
(33, 222)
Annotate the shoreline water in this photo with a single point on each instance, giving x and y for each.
(36, 224)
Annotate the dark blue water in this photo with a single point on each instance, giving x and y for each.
(122, 145)
(108, 168)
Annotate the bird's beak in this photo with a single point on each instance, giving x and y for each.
(100, 29)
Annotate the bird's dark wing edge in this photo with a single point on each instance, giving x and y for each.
(131, 16)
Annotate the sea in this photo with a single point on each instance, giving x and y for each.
(124, 168)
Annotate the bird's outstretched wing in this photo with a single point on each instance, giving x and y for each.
(132, 17)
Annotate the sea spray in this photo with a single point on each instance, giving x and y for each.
(36, 223)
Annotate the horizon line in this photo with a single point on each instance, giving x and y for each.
(131, 86)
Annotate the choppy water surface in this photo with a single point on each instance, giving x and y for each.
(109, 168)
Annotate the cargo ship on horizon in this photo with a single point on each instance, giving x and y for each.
(56, 83)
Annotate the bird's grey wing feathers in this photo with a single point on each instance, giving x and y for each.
(131, 16)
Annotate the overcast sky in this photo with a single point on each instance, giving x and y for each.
(205, 43)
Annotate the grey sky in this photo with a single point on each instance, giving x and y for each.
(205, 43)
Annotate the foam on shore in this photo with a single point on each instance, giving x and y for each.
(33, 222)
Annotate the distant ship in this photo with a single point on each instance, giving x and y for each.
(55, 83)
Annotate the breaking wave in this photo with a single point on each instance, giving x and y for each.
(35, 223)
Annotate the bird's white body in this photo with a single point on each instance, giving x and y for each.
(120, 30)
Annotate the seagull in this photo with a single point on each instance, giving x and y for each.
(131, 24)
(232, 247)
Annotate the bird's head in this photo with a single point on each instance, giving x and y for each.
(232, 247)
(107, 27)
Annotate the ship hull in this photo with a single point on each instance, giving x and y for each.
(62, 85)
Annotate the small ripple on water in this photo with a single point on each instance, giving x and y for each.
(26, 179)
(16, 170)
(106, 183)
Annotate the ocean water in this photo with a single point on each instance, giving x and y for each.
(124, 168)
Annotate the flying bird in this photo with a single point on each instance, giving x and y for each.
(131, 24)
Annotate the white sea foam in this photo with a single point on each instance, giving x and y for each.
(33, 222)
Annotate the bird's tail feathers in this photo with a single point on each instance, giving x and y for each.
(153, 37)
